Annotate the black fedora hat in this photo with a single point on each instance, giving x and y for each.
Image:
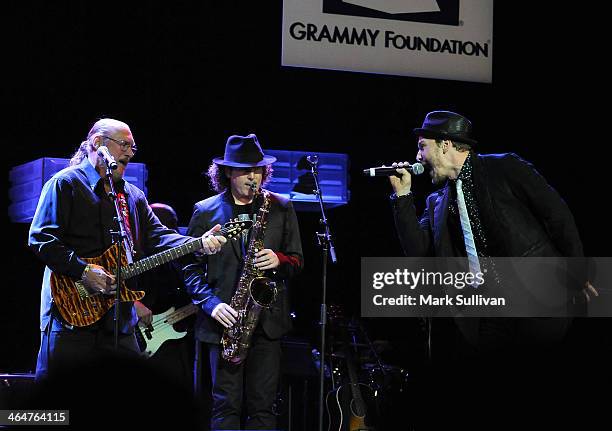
(244, 152)
(446, 125)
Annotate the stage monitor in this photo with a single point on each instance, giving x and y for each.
(293, 178)
(27, 180)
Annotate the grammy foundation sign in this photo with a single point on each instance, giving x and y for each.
(443, 39)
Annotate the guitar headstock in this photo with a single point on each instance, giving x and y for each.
(233, 228)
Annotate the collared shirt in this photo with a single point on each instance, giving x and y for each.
(73, 220)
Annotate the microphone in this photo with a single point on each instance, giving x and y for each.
(106, 156)
(386, 171)
(306, 162)
(313, 159)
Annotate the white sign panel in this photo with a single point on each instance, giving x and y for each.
(444, 39)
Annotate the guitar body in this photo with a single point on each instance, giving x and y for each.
(79, 311)
(158, 332)
(343, 412)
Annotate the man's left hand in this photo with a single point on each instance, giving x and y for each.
(212, 243)
(145, 316)
(589, 290)
(266, 259)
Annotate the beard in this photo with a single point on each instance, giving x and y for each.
(436, 179)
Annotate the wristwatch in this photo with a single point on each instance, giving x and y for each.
(83, 293)
(395, 196)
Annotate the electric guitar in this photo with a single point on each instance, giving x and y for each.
(151, 337)
(82, 310)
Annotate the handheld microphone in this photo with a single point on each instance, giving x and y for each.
(388, 171)
(106, 156)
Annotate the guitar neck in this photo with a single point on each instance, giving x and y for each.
(356, 392)
(189, 247)
(181, 313)
(159, 259)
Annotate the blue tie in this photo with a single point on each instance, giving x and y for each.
(466, 227)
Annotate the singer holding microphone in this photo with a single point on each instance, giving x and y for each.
(488, 205)
(73, 221)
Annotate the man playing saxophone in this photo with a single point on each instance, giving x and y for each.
(238, 178)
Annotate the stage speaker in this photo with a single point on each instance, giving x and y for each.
(293, 178)
(27, 181)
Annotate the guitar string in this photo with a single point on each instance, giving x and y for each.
(227, 228)
(160, 323)
(224, 231)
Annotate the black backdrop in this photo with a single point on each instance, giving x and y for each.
(185, 75)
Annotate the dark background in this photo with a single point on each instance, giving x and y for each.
(186, 75)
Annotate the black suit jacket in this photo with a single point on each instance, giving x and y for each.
(223, 269)
(522, 214)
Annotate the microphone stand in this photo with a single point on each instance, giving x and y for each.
(325, 242)
(118, 237)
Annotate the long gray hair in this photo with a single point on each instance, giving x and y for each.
(101, 127)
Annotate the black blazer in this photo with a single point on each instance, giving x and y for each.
(222, 270)
(522, 214)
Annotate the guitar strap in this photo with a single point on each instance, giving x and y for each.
(125, 213)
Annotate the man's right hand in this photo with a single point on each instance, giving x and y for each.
(225, 315)
(401, 185)
(98, 281)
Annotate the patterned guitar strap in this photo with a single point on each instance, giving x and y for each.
(125, 213)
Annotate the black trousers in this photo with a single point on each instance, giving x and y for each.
(484, 369)
(61, 347)
(252, 384)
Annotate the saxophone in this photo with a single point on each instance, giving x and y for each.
(255, 291)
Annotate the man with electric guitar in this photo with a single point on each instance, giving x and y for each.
(70, 233)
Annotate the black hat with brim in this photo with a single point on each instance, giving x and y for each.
(446, 125)
(244, 152)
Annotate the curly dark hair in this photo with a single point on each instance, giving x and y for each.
(219, 182)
